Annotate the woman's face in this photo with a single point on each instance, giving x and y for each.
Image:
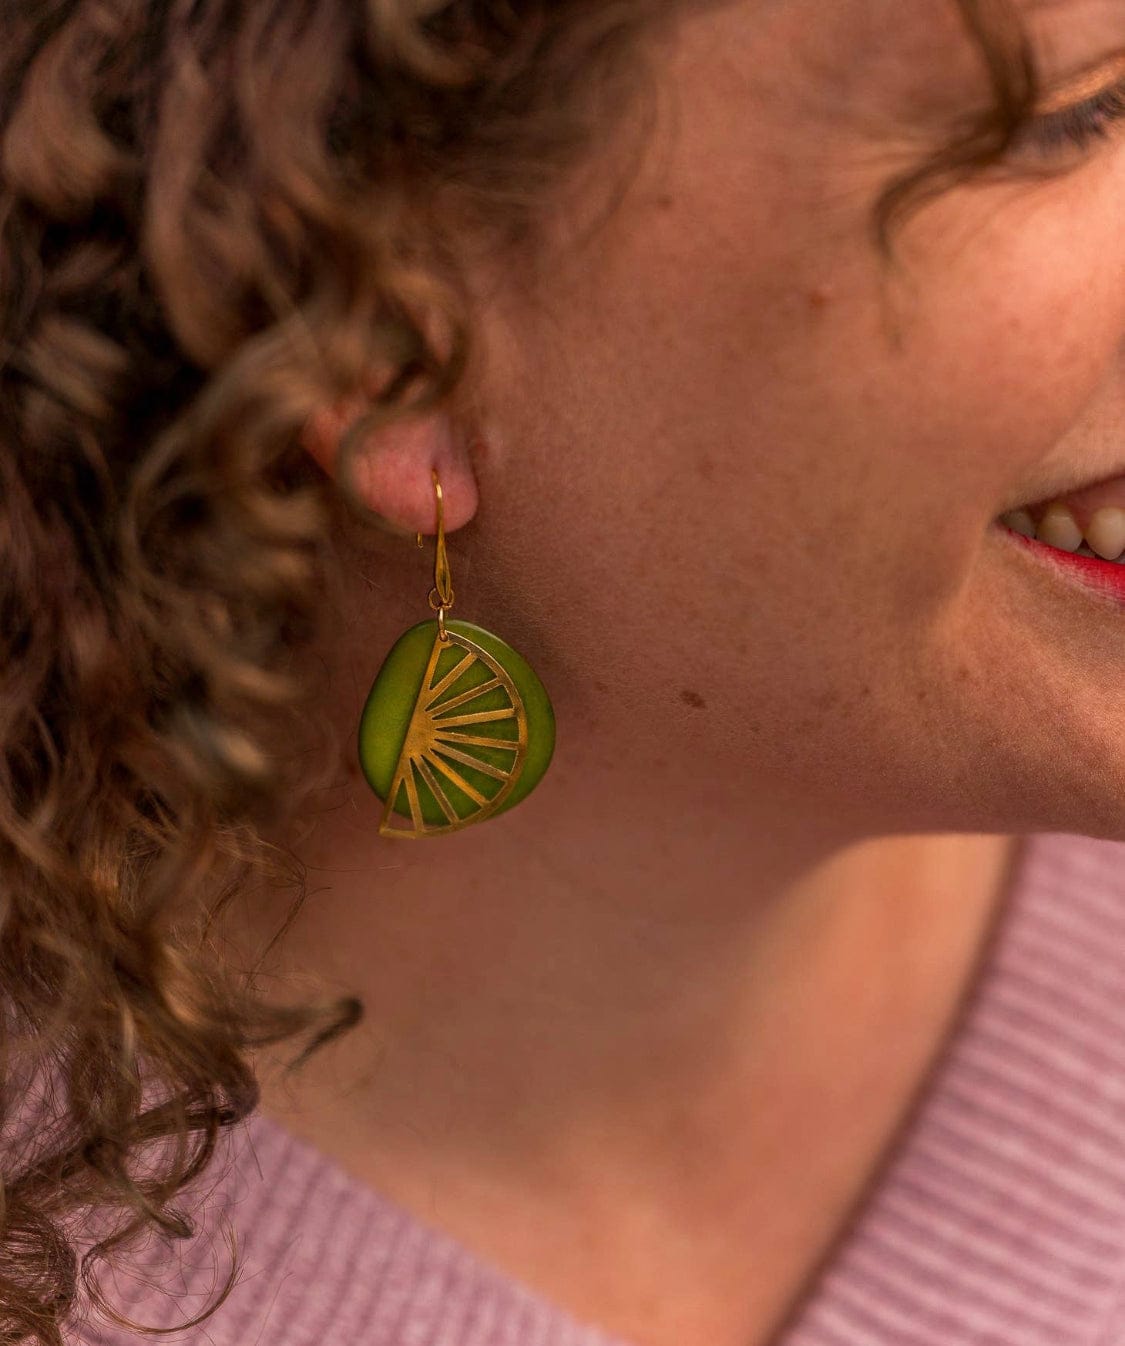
(740, 473)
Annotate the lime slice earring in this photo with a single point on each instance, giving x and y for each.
(457, 727)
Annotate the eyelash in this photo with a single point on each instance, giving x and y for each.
(1080, 125)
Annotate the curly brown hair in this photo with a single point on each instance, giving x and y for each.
(216, 219)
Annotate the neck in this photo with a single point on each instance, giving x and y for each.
(529, 983)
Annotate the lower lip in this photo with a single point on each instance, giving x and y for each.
(1106, 577)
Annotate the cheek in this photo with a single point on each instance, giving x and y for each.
(1015, 337)
(911, 404)
(766, 477)
(821, 512)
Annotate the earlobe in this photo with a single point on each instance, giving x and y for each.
(392, 466)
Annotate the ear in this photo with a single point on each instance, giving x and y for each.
(392, 469)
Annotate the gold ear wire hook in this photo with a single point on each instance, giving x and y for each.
(442, 591)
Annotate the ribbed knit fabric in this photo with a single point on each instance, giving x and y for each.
(998, 1218)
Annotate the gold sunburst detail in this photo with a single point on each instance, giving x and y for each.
(445, 732)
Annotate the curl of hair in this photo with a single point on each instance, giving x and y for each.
(215, 220)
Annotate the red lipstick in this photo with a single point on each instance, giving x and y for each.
(1107, 577)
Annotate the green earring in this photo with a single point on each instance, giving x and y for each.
(457, 726)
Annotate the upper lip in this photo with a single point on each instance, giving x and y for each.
(1063, 489)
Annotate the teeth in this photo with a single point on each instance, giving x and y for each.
(1106, 533)
(1058, 529)
(1020, 521)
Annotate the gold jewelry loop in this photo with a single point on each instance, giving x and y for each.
(443, 578)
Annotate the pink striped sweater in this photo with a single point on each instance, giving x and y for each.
(998, 1218)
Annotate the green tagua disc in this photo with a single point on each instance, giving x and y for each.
(453, 732)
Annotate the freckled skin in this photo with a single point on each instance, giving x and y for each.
(858, 446)
(820, 296)
(721, 444)
(734, 505)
